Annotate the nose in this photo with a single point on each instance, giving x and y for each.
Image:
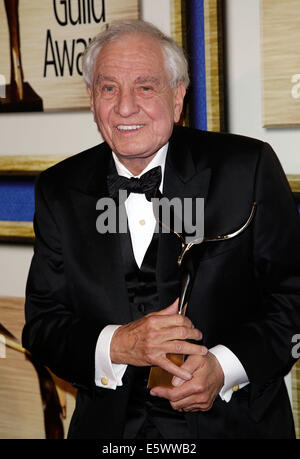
(126, 104)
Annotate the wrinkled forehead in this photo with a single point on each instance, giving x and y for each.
(138, 55)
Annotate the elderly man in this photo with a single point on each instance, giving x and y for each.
(102, 307)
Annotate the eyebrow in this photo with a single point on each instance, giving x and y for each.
(147, 79)
(101, 77)
(138, 80)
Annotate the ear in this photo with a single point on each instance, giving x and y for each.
(179, 94)
(90, 91)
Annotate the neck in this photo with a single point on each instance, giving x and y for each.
(136, 165)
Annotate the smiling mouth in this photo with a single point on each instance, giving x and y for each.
(129, 127)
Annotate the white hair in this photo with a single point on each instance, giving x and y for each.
(175, 61)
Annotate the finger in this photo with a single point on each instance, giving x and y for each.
(193, 408)
(176, 382)
(178, 334)
(174, 369)
(185, 348)
(193, 404)
(185, 404)
(191, 364)
(189, 402)
(182, 392)
(163, 392)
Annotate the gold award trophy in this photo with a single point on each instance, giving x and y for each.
(19, 95)
(158, 376)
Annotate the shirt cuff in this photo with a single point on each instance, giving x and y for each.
(107, 374)
(235, 376)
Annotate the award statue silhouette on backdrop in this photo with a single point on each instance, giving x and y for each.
(20, 97)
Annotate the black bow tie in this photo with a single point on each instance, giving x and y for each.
(146, 184)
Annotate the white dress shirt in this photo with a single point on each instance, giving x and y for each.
(141, 224)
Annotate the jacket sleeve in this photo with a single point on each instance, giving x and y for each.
(54, 335)
(264, 346)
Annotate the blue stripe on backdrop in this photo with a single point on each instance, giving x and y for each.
(16, 199)
(197, 64)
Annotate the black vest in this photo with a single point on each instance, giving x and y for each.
(143, 298)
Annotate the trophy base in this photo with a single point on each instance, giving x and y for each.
(31, 102)
(160, 377)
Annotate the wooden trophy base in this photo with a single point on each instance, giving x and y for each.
(160, 377)
(31, 102)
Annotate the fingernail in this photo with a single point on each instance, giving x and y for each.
(152, 392)
(176, 381)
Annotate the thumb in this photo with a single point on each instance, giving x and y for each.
(191, 364)
(172, 309)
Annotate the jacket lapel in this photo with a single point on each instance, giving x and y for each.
(100, 253)
(187, 175)
(187, 172)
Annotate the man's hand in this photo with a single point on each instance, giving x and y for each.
(148, 340)
(199, 393)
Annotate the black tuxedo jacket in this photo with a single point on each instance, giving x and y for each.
(246, 294)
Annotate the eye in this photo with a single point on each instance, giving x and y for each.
(108, 89)
(145, 90)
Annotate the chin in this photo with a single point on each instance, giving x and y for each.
(133, 155)
(132, 152)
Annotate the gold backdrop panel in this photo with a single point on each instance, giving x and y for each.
(281, 62)
(53, 36)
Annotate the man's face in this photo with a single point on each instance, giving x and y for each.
(132, 101)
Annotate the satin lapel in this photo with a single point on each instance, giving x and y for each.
(187, 171)
(100, 254)
(185, 177)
